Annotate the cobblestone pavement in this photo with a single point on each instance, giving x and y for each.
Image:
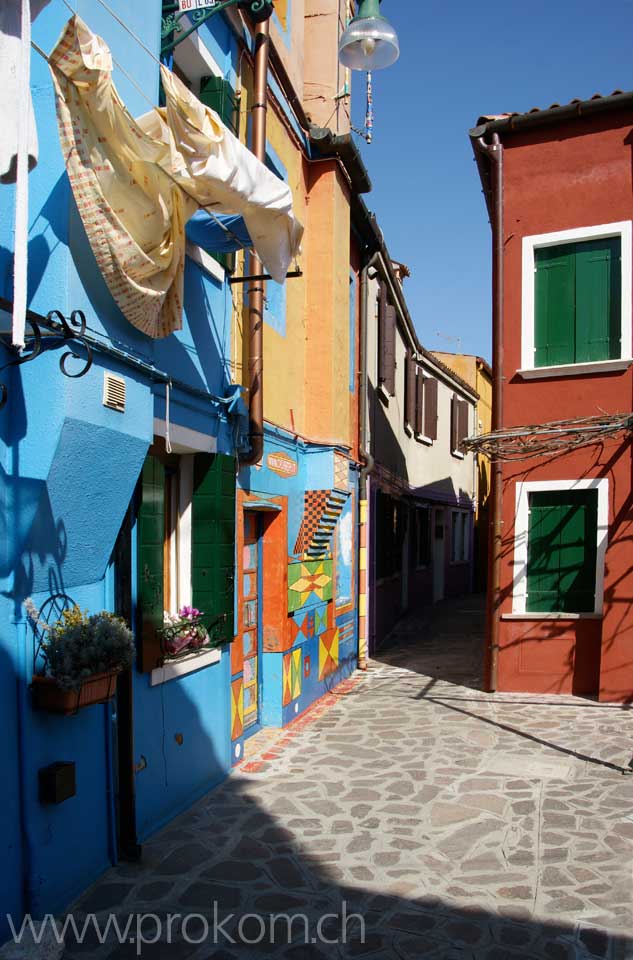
(457, 824)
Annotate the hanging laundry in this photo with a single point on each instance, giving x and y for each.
(18, 144)
(137, 182)
(15, 99)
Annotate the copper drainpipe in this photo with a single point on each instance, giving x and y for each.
(494, 152)
(257, 288)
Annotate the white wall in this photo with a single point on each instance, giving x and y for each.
(425, 465)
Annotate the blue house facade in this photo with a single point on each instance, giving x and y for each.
(121, 489)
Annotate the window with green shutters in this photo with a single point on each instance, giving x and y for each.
(213, 541)
(217, 93)
(212, 549)
(562, 546)
(577, 302)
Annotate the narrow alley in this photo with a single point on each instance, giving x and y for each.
(456, 824)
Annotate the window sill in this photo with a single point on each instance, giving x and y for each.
(384, 394)
(180, 668)
(575, 369)
(422, 438)
(457, 454)
(206, 261)
(408, 430)
(551, 616)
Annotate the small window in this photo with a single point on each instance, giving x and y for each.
(386, 342)
(422, 537)
(460, 526)
(562, 548)
(578, 309)
(459, 425)
(390, 529)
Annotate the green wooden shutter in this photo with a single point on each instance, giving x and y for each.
(598, 300)
(213, 541)
(554, 305)
(217, 93)
(151, 537)
(561, 574)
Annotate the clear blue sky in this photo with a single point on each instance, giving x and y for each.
(457, 61)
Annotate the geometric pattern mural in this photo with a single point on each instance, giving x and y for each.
(292, 674)
(341, 472)
(328, 653)
(313, 508)
(307, 623)
(309, 582)
(321, 510)
(237, 709)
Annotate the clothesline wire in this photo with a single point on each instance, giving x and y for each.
(213, 215)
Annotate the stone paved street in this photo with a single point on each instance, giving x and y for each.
(458, 824)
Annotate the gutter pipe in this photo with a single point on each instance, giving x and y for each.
(368, 466)
(492, 177)
(257, 288)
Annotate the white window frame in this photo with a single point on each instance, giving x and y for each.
(623, 230)
(521, 527)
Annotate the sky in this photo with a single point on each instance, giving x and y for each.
(459, 60)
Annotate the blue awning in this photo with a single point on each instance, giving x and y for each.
(205, 231)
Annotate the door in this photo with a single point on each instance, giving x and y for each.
(251, 618)
(404, 596)
(439, 555)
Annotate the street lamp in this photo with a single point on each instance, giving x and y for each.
(369, 42)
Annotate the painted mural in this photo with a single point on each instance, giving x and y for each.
(308, 583)
(344, 555)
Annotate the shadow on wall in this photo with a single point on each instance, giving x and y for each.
(232, 860)
(385, 445)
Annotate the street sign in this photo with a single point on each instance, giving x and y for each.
(187, 5)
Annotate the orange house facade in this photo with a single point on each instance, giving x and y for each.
(558, 184)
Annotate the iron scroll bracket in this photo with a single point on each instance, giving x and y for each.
(172, 29)
(48, 333)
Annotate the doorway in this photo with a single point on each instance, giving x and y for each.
(251, 624)
(439, 555)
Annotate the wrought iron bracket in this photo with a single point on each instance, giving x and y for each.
(172, 29)
(48, 333)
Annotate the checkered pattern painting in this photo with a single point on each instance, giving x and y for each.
(314, 504)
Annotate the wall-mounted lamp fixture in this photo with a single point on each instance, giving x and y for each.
(369, 42)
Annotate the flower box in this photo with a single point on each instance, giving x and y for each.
(49, 696)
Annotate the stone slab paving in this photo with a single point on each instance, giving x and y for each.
(456, 824)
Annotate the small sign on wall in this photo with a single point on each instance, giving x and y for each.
(186, 5)
(282, 464)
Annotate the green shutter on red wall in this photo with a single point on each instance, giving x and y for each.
(217, 93)
(213, 541)
(151, 534)
(577, 302)
(554, 302)
(598, 300)
(561, 569)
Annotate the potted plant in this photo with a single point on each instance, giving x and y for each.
(183, 633)
(83, 654)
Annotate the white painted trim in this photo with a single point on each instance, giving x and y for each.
(523, 490)
(551, 616)
(424, 439)
(180, 668)
(576, 369)
(384, 393)
(185, 596)
(458, 454)
(185, 440)
(206, 261)
(624, 230)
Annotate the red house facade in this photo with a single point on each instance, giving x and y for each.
(559, 189)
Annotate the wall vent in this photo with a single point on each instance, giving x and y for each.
(113, 392)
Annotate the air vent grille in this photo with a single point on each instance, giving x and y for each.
(113, 392)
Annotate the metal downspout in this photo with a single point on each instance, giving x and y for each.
(494, 152)
(368, 466)
(257, 289)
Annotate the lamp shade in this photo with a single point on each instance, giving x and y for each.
(369, 42)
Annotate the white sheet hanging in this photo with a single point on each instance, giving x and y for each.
(18, 142)
(137, 182)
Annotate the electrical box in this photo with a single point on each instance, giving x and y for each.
(57, 782)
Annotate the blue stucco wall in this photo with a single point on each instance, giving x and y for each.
(68, 468)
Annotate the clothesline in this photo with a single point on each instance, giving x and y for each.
(153, 106)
